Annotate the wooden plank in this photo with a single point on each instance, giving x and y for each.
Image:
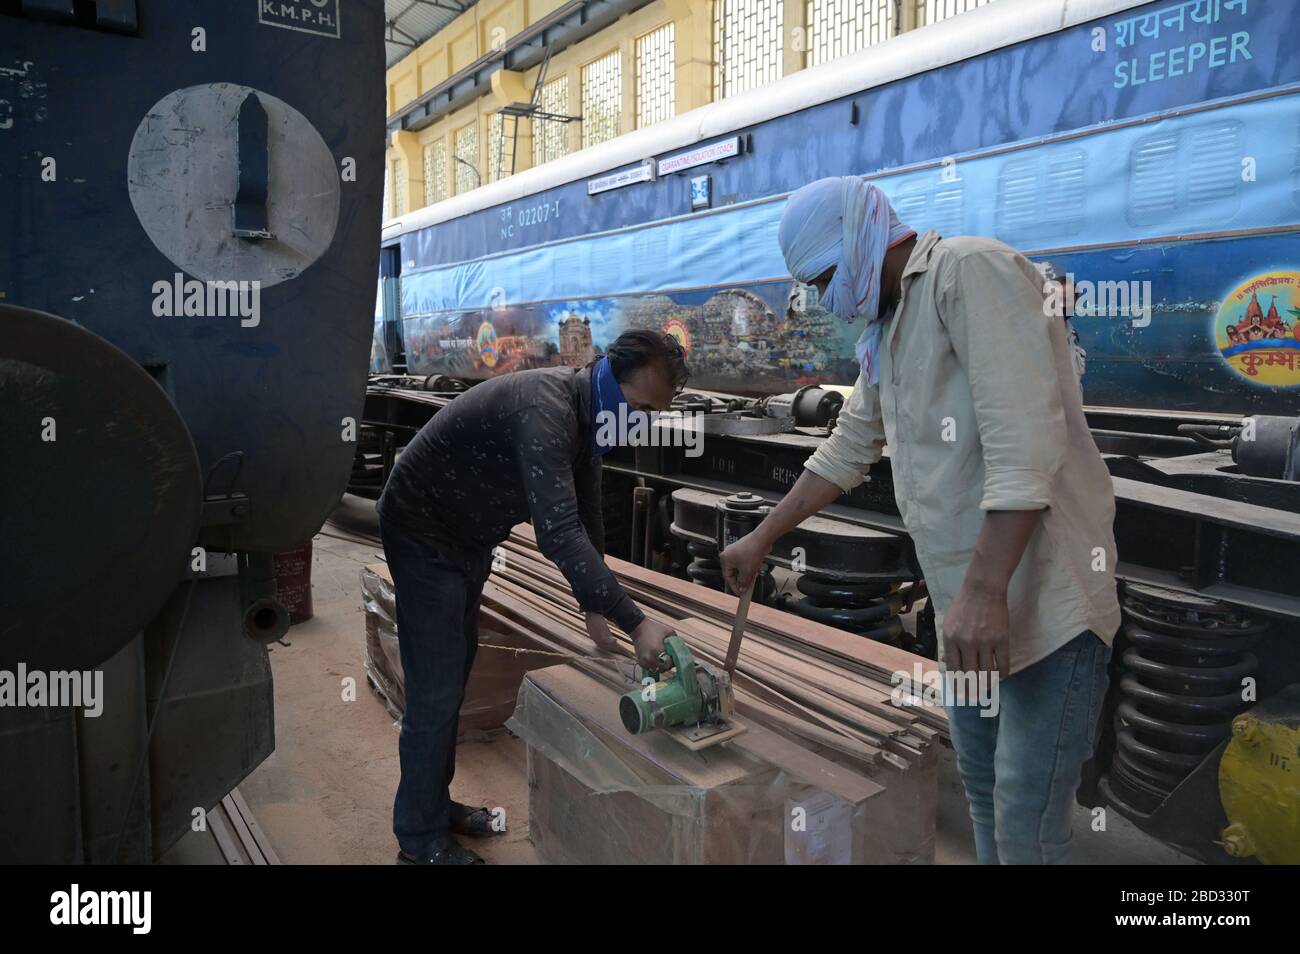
(785, 679)
(797, 687)
(802, 638)
(866, 693)
(809, 767)
(885, 658)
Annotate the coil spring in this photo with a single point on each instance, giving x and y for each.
(706, 569)
(1182, 663)
(869, 609)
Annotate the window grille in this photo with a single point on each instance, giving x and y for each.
(467, 156)
(602, 99)
(932, 11)
(435, 172)
(656, 65)
(551, 139)
(747, 45)
(839, 27)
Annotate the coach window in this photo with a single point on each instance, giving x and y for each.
(655, 80)
(602, 99)
(747, 45)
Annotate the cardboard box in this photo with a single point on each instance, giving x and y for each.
(599, 795)
(493, 682)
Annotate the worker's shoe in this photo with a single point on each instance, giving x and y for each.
(446, 852)
(475, 822)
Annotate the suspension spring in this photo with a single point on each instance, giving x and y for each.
(869, 609)
(1183, 661)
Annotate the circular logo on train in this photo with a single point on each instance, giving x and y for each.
(486, 339)
(677, 328)
(1258, 329)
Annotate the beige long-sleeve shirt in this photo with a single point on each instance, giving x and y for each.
(980, 408)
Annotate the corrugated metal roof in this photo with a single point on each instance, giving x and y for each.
(408, 23)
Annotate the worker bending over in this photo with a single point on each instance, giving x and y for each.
(521, 445)
(999, 483)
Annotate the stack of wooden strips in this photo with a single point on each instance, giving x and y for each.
(803, 679)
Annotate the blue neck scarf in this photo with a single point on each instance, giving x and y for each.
(606, 396)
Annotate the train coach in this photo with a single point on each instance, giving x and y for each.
(1151, 158)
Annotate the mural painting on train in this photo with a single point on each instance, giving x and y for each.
(737, 339)
(1257, 329)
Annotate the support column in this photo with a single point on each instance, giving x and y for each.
(574, 130)
(794, 18)
(907, 16)
(406, 145)
(693, 42)
(627, 77)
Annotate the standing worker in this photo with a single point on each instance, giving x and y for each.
(999, 483)
(520, 445)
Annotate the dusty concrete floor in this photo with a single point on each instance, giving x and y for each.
(325, 794)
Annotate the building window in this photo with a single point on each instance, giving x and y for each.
(839, 27)
(435, 172)
(602, 99)
(747, 45)
(499, 149)
(551, 137)
(467, 175)
(399, 187)
(656, 64)
(932, 11)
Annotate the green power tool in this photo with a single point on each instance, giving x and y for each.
(694, 704)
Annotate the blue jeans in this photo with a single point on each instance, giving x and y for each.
(1021, 767)
(437, 636)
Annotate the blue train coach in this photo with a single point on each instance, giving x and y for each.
(1149, 150)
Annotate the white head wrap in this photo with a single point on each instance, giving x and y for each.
(849, 224)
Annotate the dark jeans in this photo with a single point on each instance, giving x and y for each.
(437, 634)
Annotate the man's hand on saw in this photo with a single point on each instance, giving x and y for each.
(648, 638)
(598, 630)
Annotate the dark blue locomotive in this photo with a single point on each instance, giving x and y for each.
(190, 193)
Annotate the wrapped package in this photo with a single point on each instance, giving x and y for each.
(499, 668)
(599, 795)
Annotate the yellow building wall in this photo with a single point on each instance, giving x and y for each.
(493, 23)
